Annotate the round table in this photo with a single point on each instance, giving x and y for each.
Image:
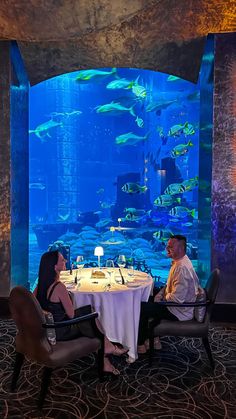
(118, 305)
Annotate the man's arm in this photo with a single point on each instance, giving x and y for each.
(179, 286)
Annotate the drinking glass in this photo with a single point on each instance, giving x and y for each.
(110, 264)
(80, 265)
(80, 261)
(131, 272)
(110, 267)
(121, 261)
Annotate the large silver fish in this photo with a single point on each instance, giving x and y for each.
(114, 108)
(42, 130)
(130, 139)
(85, 76)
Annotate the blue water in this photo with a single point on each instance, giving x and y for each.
(93, 168)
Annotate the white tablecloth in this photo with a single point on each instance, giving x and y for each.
(118, 305)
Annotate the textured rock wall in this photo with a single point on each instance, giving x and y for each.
(5, 210)
(224, 166)
(160, 35)
(14, 162)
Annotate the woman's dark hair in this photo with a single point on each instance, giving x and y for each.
(47, 276)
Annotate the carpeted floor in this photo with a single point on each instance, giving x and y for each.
(179, 385)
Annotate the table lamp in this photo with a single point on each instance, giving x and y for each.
(98, 251)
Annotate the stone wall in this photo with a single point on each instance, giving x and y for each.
(224, 166)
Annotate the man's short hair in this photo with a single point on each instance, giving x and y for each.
(180, 238)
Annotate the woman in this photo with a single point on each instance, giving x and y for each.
(54, 297)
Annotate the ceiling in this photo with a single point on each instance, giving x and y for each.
(59, 36)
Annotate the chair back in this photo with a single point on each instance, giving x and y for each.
(213, 285)
(211, 289)
(31, 338)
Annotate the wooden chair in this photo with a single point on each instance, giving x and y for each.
(31, 339)
(190, 328)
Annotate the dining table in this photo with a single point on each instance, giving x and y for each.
(116, 294)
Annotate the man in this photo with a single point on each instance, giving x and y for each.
(182, 285)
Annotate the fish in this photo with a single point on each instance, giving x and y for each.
(159, 106)
(105, 204)
(103, 222)
(207, 147)
(139, 90)
(180, 149)
(162, 235)
(114, 108)
(162, 136)
(100, 191)
(208, 57)
(85, 76)
(204, 185)
(120, 84)
(174, 189)
(73, 113)
(130, 139)
(190, 184)
(193, 97)
(173, 78)
(132, 188)
(134, 214)
(113, 242)
(177, 130)
(133, 217)
(135, 211)
(166, 200)
(38, 186)
(139, 122)
(207, 127)
(182, 212)
(58, 116)
(188, 129)
(42, 130)
(188, 224)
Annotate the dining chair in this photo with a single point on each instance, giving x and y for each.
(190, 328)
(31, 339)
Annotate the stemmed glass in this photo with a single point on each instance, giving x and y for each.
(80, 265)
(121, 261)
(110, 266)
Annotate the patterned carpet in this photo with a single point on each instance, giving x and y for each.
(179, 385)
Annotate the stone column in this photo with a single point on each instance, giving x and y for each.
(224, 167)
(14, 162)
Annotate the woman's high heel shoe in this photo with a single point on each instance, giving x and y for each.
(117, 351)
(109, 369)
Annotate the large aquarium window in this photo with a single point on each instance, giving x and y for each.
(114, 162)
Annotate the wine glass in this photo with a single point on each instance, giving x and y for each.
(110, 264)
(121, 261)
(131, 272)
(110, 267)
(80, 265)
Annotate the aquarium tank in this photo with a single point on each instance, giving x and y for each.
(114, 162)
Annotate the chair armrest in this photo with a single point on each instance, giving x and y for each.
(95, 332)
(185, 304)
(75, 320)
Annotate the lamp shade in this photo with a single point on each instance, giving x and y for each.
(98, 251)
